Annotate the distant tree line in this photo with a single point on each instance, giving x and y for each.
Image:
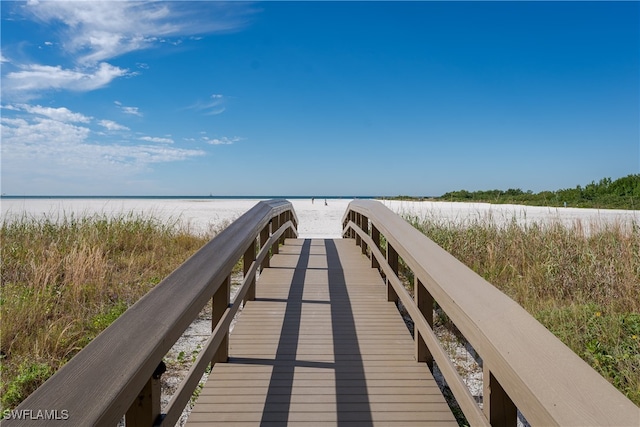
(623, 193)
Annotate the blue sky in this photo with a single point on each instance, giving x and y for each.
(316, 98)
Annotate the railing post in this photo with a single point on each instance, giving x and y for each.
(283, 220)
(344, 224)
(275, 224)
(287, 217)
(375, 236)
(352, 217)
(290, 233)
(264, 236)
(424, 301)
(220, 304)
(358, 222)
(392, 260)
(364, 224)
(145, 409)
(295, 225)
(496, 404)
(247, 260)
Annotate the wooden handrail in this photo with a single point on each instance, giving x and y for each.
(102, 382)
(525, 366)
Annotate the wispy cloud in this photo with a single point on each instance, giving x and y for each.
(111, 125)
(134, 111)
(91, 33)
(221, 141)
(213, 106)
(60, 114)
(156, 139)
(97, 31)
(34, 78)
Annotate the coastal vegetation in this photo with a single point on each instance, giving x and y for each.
(623, 193)
(65, 280)
(581, 282)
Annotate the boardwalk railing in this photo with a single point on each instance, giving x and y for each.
(119, 372)
(525, 367)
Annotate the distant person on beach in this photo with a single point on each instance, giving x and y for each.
(325, 202)
(312, 200)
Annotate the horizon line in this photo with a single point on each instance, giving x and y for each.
(87, 196)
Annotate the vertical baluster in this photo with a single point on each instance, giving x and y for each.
(344, 224)
(364, 224)
(247, 260)
(264, 236)
(375, 236)
(283, 219)
(220, 304)
(295, 224)
(496, 403)
(288, 234)
(355, 220)
(358, 222)
(392, 260)
(145, 409)
(275, 224)
(424, 301)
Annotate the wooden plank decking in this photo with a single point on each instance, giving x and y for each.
(320, 345)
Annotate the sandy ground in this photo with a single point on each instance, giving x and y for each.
(457, 212)
(315, 218)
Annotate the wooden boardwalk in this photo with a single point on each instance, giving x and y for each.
(320, 345)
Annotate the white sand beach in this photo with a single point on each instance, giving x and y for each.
(316, 219)
(458, 212)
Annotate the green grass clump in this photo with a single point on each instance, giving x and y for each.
(582, 283)
(65, 280)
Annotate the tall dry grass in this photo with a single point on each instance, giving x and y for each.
(64, 280)
(581, 281)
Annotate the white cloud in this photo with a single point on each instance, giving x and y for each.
(97, 31)
(39, 135)
(102, 30)
(111, 125)
(212, 107)
(53, 151)
(90, 33)
(60, 114)
(34, 78)
(221, 141)
(156, 139)
(132, 110)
